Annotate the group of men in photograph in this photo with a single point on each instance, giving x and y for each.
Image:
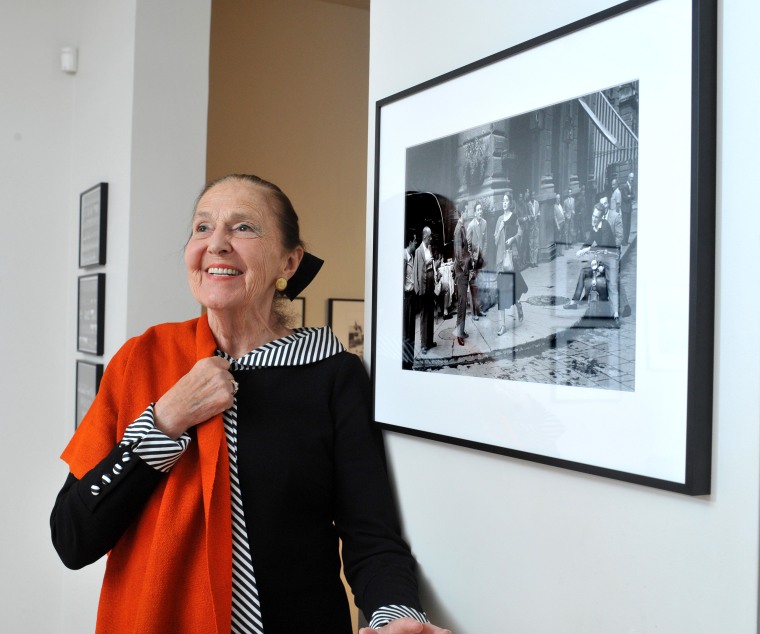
(572, 215)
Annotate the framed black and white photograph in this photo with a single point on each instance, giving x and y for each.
(555, 206)
(88, 382)
(346, 319)
(296, 312)
(91, 308)
(93, 215)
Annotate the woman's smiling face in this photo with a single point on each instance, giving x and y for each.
(235, 253)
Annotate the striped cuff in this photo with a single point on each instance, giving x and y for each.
(386, 614)
(152, 445)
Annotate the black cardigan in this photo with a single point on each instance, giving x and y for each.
(312, 468)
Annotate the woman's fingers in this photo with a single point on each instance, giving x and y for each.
(201, 394)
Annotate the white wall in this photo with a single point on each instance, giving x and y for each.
(168, 157)
(133, 116)
(512, 546)
(36, 112)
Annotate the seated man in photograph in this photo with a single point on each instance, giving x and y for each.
(602, 237)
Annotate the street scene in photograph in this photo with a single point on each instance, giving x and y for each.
(520, 246)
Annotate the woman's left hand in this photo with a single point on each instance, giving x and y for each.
(405, 626)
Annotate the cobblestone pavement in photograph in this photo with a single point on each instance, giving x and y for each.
(588, 357)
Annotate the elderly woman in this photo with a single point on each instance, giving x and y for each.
(225, 456)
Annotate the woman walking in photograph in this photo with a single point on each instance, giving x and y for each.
(510, 283)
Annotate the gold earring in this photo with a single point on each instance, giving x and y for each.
(281, 284)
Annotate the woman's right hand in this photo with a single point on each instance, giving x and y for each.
(405, 626)
(201, 394)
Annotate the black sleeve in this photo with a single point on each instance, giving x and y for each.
(604, 238)
(608, 237)
(378, 562)
(91, 514)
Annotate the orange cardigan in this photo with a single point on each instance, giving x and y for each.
(179, 550)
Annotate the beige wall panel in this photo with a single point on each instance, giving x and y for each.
(288, 102)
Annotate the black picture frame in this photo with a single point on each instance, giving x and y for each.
(88, 376)
(657, 431)
(93, 218)
(296, 312)
(346, 319)
(91, 308)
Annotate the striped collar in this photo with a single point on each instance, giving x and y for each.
(304, 346)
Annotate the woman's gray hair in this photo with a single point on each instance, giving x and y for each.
(287, 218)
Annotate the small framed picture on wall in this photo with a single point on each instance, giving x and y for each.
(88, 382)
(93, 213)
(91, 308)
(296, 313)
(346, 319)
